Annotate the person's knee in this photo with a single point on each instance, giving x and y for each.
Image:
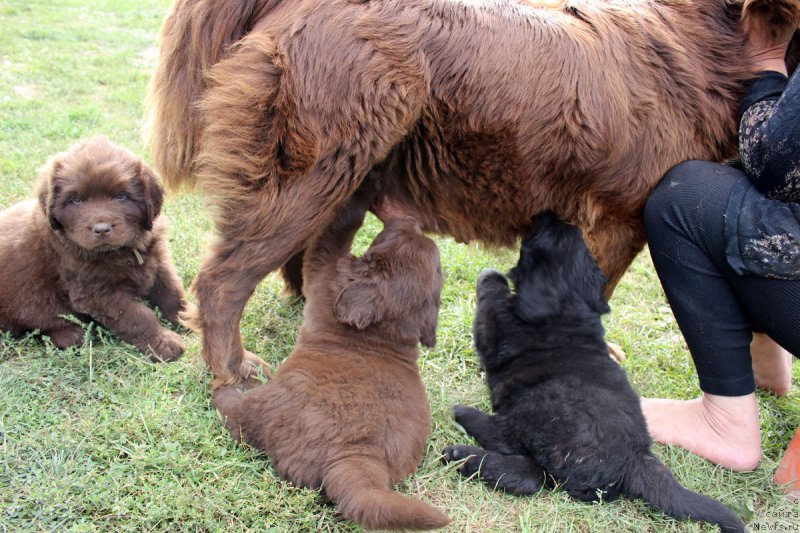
(682, 189)
(675, 184)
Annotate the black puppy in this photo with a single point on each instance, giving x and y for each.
(563, 409)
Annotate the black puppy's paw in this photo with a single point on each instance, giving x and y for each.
(463, 413)
(490, 278)
(458, 452)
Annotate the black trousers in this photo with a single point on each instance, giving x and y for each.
(716, 309)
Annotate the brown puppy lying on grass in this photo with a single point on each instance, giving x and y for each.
(93, 246)
(347, 411)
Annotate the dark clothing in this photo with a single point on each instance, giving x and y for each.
(763, 235)
(716, 308)
(725, 243)
(769, 135)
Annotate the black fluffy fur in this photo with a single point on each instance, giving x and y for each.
(563, 409)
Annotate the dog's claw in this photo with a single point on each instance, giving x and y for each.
(450, 454)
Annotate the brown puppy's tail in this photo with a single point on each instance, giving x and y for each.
(648, 479)
(361, 489)
(196, 35)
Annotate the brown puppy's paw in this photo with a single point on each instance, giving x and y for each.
(67, 336)
(168, 346)
(173, 312)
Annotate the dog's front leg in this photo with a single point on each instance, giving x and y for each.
(133, 321)
(493, 292)
(167, 293)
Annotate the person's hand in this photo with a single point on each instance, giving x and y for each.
(769, 26)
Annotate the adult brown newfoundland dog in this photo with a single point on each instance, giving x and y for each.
(93, 245)
(479, 115)
(347, 410)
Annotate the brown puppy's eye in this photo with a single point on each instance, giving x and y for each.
(74, 199)
(121, 196)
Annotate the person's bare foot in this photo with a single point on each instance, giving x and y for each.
(772, 365)
(722, 429)
(616, 352)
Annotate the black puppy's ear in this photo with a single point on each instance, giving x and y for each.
(595, 282)
(48, 191)
(361, 301)
(153, 196)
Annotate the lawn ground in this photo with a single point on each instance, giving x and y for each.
(97, 438)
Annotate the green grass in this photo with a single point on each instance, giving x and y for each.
(97, 438)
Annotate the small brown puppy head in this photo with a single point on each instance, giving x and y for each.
(100, 195)
(396, 285)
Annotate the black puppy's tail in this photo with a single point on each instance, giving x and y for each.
(648, 479)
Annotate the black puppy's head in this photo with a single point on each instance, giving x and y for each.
(556, 273)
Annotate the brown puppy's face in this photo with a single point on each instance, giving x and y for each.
(396, 285)
(99, 195)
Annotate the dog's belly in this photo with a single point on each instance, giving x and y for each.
(466, 184)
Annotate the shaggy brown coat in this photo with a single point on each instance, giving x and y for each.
(347, 411)
(479, 115)
(92, 245)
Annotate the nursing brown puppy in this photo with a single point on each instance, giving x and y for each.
(478, 115)
(93, 245)
(347, 410)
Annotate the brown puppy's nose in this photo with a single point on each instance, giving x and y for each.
(101, 230)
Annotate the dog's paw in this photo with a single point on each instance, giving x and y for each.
(254, 370)
(168, 346)
(491, 283)
(67, 336)
(464, 412)
(172, 311)
(491, 276)
(471, 455)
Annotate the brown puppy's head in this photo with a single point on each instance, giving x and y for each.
(396, 285)
(99, 195)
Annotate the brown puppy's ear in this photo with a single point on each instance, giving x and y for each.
(428, 324)
(361, 301)
(47, 190)
(153, 196)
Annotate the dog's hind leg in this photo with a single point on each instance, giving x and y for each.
(516, 474)
(278, 160)
(229, 275)
(292, 274)
(614, 245)
(481, 427)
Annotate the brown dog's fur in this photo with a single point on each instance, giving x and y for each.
(347, 411)
(92, 245)
(478, 115)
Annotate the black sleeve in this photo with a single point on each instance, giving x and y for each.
(769, 135)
